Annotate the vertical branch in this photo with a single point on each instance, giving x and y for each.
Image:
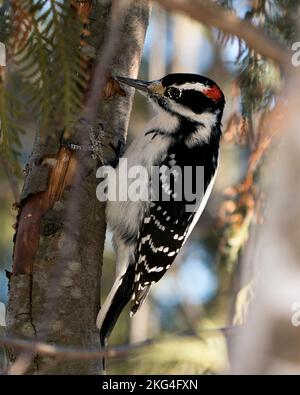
(56, 294)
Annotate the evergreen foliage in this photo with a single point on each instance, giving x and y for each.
(260, 82)
(43, 40)
(259, 78)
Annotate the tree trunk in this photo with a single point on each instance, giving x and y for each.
(54, 290)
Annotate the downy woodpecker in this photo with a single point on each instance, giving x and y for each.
(148, 235)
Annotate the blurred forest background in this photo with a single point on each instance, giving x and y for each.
(192, 313)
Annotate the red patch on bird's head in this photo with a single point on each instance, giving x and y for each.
(213, 93)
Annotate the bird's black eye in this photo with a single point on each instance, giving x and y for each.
(173, 93)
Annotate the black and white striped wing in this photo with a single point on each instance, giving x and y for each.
(159, 243)
(163, 232)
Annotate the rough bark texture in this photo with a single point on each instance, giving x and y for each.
(66, 313)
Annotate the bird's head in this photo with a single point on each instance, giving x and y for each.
(189, 96)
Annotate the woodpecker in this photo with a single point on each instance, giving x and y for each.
(148, 235)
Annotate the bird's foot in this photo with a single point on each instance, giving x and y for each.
(96, 136)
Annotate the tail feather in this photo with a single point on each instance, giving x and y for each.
(138, 297)
(117, 299)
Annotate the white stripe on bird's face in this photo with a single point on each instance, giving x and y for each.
(196, 86)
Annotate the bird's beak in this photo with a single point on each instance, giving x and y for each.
(149, 87)
(137, 84)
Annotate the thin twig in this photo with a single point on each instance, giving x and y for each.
(67, 353)
(72, 353)
(214, 15)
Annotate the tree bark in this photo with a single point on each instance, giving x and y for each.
(54, 290)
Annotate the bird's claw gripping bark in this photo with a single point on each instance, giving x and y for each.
(96, 136)
(95, 146)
